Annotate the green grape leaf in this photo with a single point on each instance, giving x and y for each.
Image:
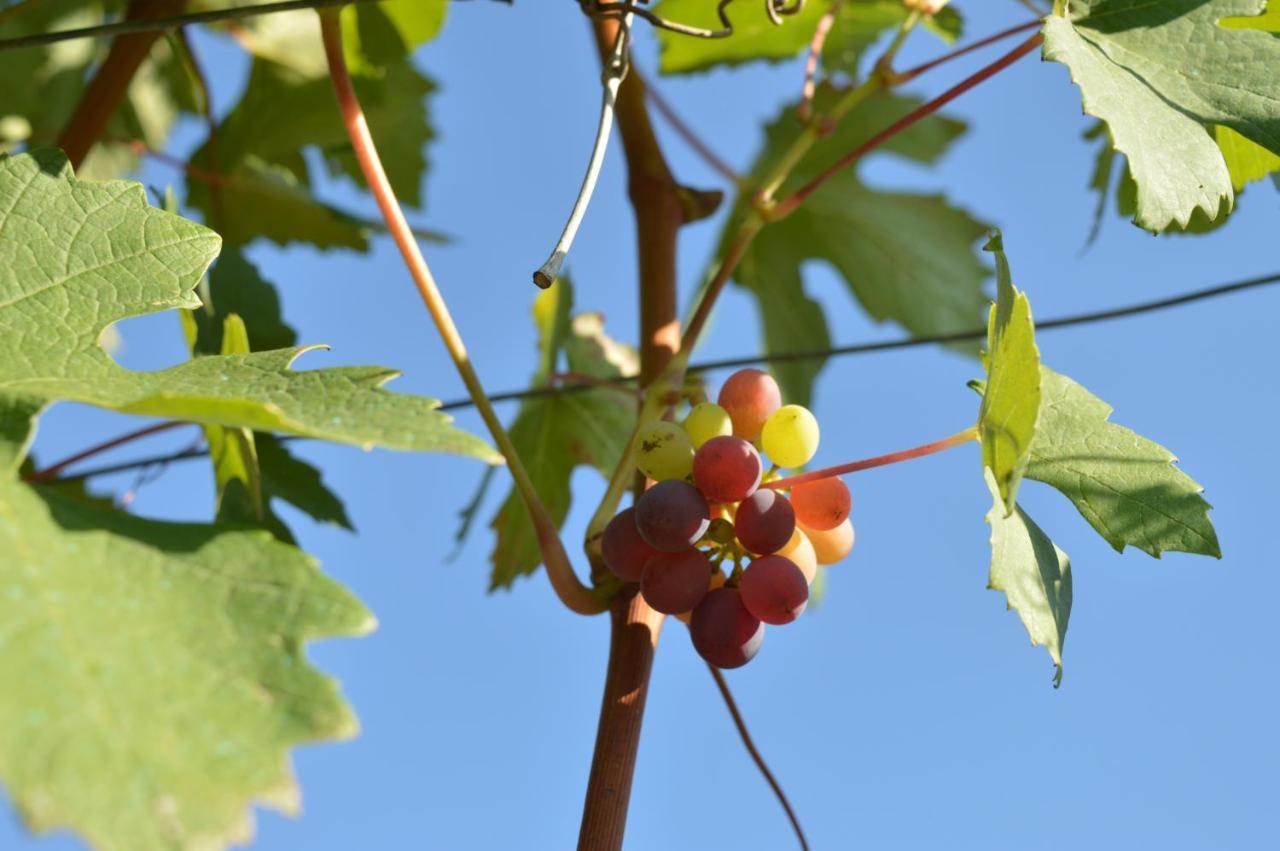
(237, 287)
(55, 78)
(264, 189)
(905, 258)
(1158, 74)
(1246, 160)
(556, 434)
(857, 25)
(1033, 573)
(92, 254)
(290, 479)
(106, 619)
(1011, 401)
(1125, 485)
(237, 479)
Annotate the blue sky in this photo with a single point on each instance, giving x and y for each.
(908, 711)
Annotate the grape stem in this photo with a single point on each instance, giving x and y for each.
(956, 439)
(577, 596)
(54, 470)
(756, 757)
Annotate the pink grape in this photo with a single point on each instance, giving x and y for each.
(676, 582)
(774, 589)
(764, 522)
(723, 631)
(672, 515)
(750, 396)
(622, 548)
(727, 469)
(823, 504)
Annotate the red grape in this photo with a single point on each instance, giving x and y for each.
(717, 581)
(672, 515)
(750, 396)
(622, 548)
(764, 522)
(727, 469)
(821, 504)
(774, 589)
(723, 631)
(676, 582)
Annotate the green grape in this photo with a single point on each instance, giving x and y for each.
(790, 436)
(664, 451)
(705, 421)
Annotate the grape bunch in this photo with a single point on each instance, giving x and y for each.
(709, 505)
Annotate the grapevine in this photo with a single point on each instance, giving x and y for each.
(159, 670)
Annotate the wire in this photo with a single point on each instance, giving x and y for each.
(1054, 324)
(143, 25)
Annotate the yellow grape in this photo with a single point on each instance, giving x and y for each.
(790, 436)
(664, 451)
(800, 551)
(705, 421)
(831, 545)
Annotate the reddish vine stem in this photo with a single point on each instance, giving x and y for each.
(111, 81)
(689, 135)
(910, 74)
(53, 470)
(878, 461)
(571, 591)
(634, 626)
(788, 205)
(756, 756)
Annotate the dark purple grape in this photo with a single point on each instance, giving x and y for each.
(774, 589)
(672, 515)
(676, 582)
(727, 469)
(723, 631)
(764, 522)
(622, 548)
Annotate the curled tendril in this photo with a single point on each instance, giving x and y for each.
(619, 8)
(777, 9)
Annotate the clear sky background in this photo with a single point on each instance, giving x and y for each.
(909, 711)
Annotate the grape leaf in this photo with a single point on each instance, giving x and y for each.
(556, 434)
(906, 258)
(55, 78)
(1158, 73)
(1126, 486)
(106, 621)
(289, 478)
(858, 24)
(1033, 573)
(1246, 160)
(1011, 401)
(77, 256)
(264, 188)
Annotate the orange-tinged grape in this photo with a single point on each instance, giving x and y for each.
(664, 451)
(717, 581)
(705, 421)
(790, 436)
(750, 396)
(831, 545)
(800, 551)
(822, 504)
